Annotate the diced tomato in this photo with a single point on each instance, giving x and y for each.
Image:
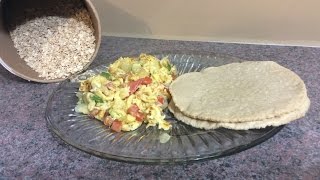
(147, 80)
(133, 109)
(108, 121)
(160, 99)
(140, 116)
(116, 125)
(135, 112)
(134, 85)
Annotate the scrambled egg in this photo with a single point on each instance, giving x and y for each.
(130, 92)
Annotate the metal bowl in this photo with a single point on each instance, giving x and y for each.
(9, 58)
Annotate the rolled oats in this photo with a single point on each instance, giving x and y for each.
(57, 42)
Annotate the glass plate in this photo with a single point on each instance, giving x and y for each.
(143, 145)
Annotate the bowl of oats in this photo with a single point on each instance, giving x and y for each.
(48, 40)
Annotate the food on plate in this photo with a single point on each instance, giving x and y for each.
(252, 94)
(130, 92)
(275, 121)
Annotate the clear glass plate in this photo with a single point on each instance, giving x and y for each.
(143, 145)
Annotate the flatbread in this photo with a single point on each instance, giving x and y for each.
(276, 121)
(239, 92)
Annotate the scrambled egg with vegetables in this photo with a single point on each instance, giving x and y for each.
(130, 92)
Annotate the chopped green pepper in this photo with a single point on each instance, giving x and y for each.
(169, 67)
(106, 75)
(97, 99)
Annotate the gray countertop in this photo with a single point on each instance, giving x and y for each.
(28, 149)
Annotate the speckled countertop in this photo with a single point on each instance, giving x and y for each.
(28, 149)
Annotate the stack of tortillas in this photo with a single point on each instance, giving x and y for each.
(241, 96)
